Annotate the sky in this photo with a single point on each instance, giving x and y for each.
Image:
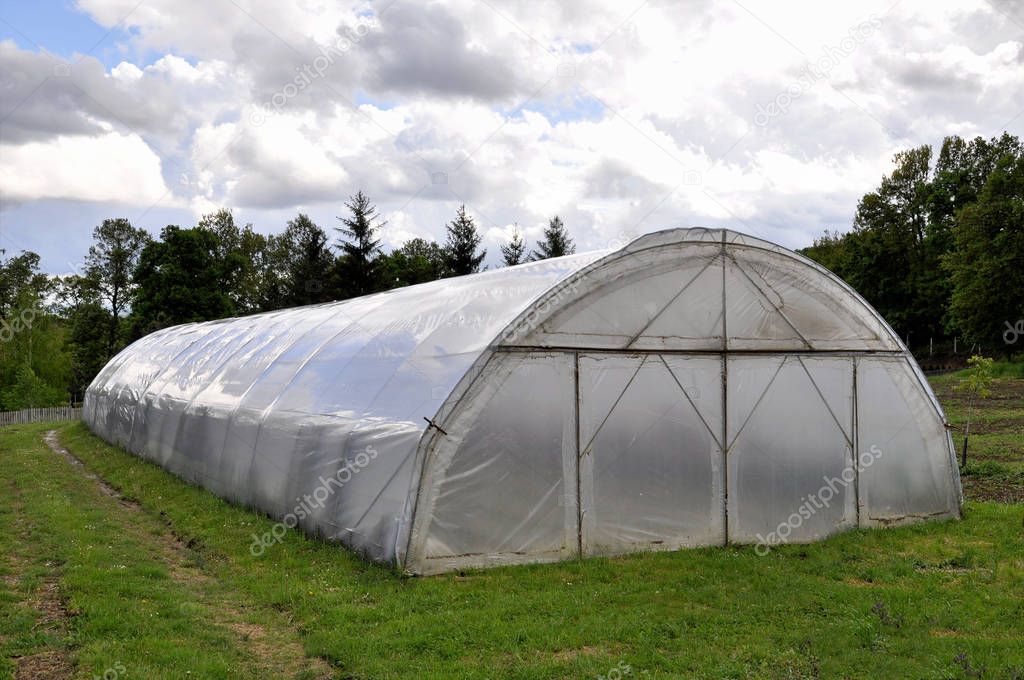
(622, 117)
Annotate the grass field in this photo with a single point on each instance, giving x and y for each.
(115, 569)
(995, 461)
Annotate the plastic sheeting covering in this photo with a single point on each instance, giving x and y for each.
(695, 387)
(314, 414)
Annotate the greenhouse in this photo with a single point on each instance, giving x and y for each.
(694, 387)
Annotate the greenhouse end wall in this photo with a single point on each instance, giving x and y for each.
(688, 391)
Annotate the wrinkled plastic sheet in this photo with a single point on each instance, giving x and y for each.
(269, 409)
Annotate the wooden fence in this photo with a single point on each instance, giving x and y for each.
(40, 415)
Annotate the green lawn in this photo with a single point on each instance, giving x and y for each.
(137, 575)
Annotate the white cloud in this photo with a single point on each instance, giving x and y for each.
(110, 167)
(619, 117)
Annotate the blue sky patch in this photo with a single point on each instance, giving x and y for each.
(57, 27)
(568, 107)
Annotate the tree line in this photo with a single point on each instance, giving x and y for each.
(938, 247)
(57, 333)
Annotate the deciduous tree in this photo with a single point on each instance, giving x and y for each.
(417, 261)
(180, 279)
(244, 260)
(111, 264)
(302, 263)
(987, 262)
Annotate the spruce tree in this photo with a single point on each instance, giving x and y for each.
(514, 252)
(357, 265)
(460, 248)
(556, 243)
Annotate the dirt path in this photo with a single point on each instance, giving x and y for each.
(275, 647)
(52, 615)
(54, 618)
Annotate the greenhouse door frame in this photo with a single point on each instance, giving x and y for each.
(649, 496)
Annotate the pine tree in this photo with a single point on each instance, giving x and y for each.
(460, 248)
(514, 252)
(556, 243)
(357, 266)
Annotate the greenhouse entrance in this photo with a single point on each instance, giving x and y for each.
(789, 436)
(636, 492)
